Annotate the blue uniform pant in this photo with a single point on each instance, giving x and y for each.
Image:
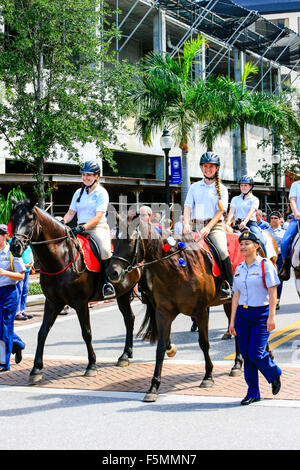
(252, 334)
(252, 225)
(10, 341)
(23, 287)
(286, 242)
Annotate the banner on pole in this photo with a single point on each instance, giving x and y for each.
(175, 163)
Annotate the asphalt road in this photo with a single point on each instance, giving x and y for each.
(109, 423)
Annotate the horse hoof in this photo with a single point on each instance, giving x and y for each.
(123, 363)
(172, 351)
(90, 373)
(235, 372)
(34, 379)
(226, 336)
(150, 397)
(207, 383)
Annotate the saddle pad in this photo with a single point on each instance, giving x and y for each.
(233, 247)
(91, 261)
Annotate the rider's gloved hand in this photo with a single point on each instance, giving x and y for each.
(78, 230)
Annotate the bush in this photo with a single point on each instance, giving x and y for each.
(35, 288)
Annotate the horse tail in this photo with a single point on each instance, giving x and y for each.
(148, 330)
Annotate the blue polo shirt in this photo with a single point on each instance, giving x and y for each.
(5, 263)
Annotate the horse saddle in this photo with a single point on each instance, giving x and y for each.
(91, 252)
(233, 249)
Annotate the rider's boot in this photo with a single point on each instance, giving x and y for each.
(285, 270)
(225, 292)
(108, 290)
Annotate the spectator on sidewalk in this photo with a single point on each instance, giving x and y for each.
(23, 286)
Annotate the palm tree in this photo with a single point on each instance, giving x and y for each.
(236, 106)
(168, 97)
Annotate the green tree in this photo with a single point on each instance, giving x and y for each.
(63, 89)
(235, 106)
(6, 204)
(168, 96)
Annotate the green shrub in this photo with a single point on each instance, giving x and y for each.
(35, 288)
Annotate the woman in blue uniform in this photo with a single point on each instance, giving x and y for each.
(253, 316)
(243, 208)
(90, 204)
(11, 271)
(205, 204)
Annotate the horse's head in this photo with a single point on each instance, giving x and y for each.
(23, 219)
(125, 249)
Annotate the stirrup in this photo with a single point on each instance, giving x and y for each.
(225, 291)
(110, 295)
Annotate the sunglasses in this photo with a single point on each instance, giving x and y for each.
(274, 217)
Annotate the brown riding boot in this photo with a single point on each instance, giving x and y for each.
(285, 271)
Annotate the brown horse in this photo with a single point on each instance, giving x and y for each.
(65, 279)
(190, 290)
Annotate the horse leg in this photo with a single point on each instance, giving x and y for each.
(164, 328)
(202, 322)
(84, 320)
(128, 316)
(51, 311)
(236, 370)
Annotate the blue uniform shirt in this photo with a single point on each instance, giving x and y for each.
(89, 204)
(278, 234)
(5, 263)
(263, 225)
(248, 281)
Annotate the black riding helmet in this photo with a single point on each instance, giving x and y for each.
(210, 157)
(90, 167)
(247, 179)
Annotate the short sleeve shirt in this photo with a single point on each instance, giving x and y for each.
(242, 206)
(248, 281)
(203, 199)
(295, 192)
(278, 234)
(5, 263)
(89, 204)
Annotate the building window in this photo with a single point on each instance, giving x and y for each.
(281, 22)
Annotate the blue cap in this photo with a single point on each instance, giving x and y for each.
(247, 235)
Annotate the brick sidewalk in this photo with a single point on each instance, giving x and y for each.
(183, 379)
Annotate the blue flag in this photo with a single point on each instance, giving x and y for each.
(175, 163)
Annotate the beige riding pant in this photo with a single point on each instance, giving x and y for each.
(217, 236)
(101, 233)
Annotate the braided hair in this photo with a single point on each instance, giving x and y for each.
(218, 188)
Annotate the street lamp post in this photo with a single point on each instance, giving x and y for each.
(275, 162)
(166, 143)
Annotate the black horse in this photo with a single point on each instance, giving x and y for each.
(65, 279)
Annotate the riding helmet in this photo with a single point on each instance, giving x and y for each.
(247, 235)
(210, 157)
(247, 179)
(90, 167)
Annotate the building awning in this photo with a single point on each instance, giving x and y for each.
(235, 25)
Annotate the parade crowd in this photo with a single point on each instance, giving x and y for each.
(254, 289)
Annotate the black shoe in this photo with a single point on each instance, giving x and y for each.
(276, 385)
(18, 356)
(108, 291)
(248, 401)
(3, 369)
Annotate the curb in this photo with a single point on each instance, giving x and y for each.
(35, 300)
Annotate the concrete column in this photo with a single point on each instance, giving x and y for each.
(238, 63)
(159, 31)
(200, 66)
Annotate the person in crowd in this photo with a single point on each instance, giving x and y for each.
(243, 208)
(263, 224)
(204, 206)
(12, 270)
(178, 227)
(23, 286)
(90, 205)
(253, 316)
(278, 233)
(288, 221)
(286, 243)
